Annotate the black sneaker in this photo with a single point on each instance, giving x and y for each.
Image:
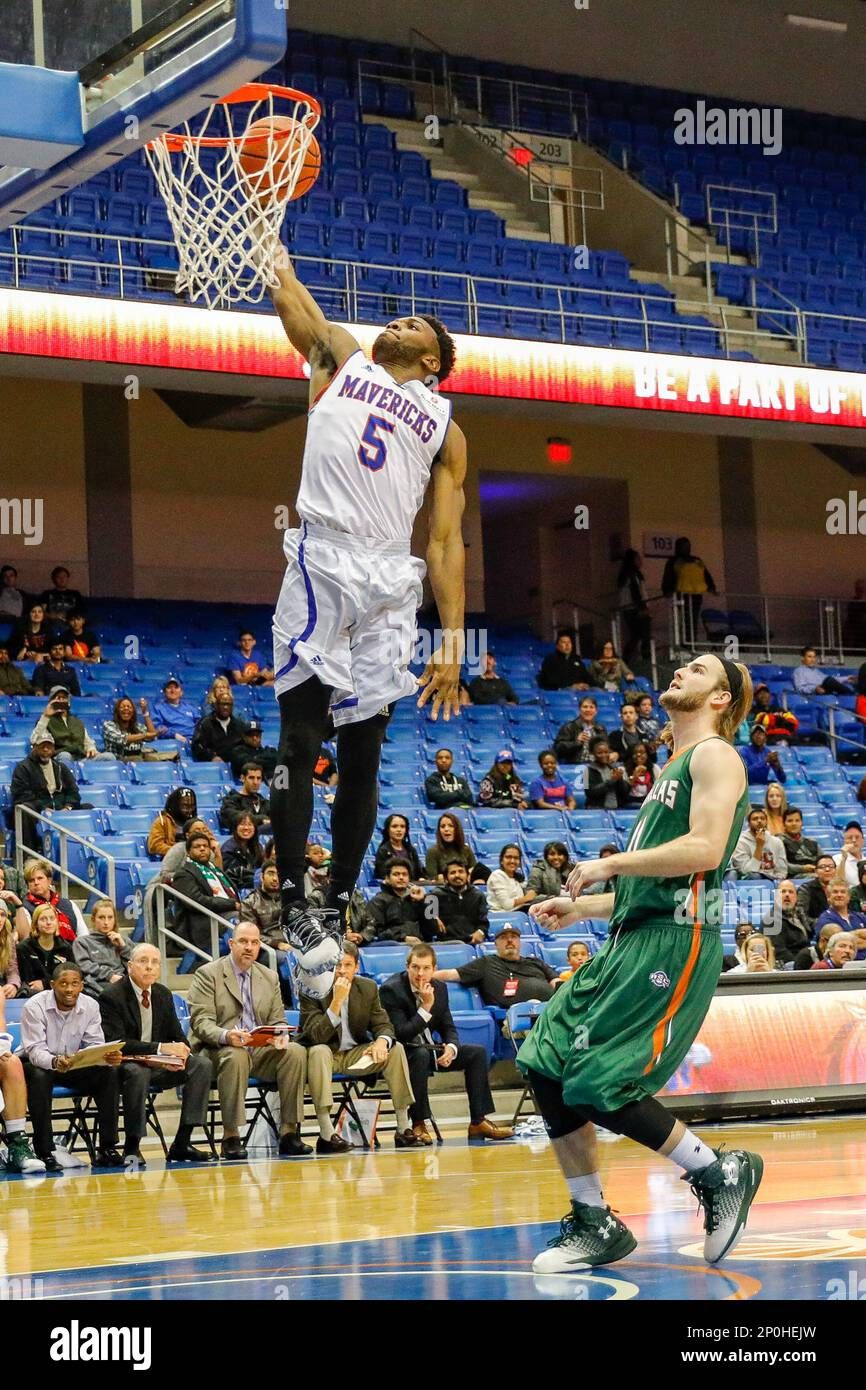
(725, 1191)
(587, 1236)
(108, 1158)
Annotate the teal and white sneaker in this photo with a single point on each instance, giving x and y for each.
(20, 1158)
(587, 1236)
(725, 1190)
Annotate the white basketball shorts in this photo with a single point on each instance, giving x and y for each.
(346, 614)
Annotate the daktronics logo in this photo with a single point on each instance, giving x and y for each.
(792, 1100)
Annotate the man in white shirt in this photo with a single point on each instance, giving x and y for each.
(757, 853)
(810, 680)
(849, 856)
(55, 1024)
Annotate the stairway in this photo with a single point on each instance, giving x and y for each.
(691, 298)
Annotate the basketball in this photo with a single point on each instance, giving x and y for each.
(267, 170)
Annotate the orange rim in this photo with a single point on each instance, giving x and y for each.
(250, 92)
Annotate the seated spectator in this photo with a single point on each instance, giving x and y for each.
(60, 600)
(786, 925)
(417, 1005)
(124, 739)
(807, 957)
(548, 875)
(507, 977)
(841, 948)
(141, 1011)
(627, 736)
(775, 805)
(742, 932)
(40, 889)
(242, 853)
(220, 688)
(218, 734)
(251, 749)
(839, 912)
(80, 641)
(180, 806)
(608, 671)
(809, 680)
(41, 782)
(757, 853)
(103, 953)
(604, 885)
(56, 1024)
(648, 726)
(607, 786)
(549, 792)
(861, 790)
(11, 597)
(640, 772)
(173, 716)
(317, 877)
(858, 894)
(506, 890)
(577, 956)
(12, 886)
(812, 895)
(249, 799)
(459, 911)
(325, 771)
(20, 1157)
(779, 724)
(341, 1030)
(54, 674)
(31, 639)
(572, 743)
(245, 666)
(444, 787)
(800, 852)
(501, 786)
(229, 997)
(762, 763)
(199, 879)
(263, 907)
(759, 955)
(489, 688)
(10, 975)
(396, 844)
(450, 843)
(43, 950)
(71, 739)
(562, 669)
(12, 679)
(848, 857)
(399, 912)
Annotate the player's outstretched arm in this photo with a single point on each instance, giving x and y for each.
(325, 345)
(555, 913)
(718, 778)
(446, 565)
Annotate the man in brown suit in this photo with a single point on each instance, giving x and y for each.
(228, 998)
(342, 1029)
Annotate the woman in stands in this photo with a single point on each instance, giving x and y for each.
(641, 773)
(122, 736)
(242, 853)
(180, 806)
(732, 959)
(775, 805)
(10, 977)
(43, 949)
(220, 688)
(18, 914)
(505, 886)
(857, 901)
(41, 890)
(396, 844)
(450, 843)
(32, 638)
(548, 875)
(501, 786)
(759, 955)
(609, 671)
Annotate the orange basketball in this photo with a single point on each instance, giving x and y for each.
(264, 178)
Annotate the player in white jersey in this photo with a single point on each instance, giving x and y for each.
(344, 624)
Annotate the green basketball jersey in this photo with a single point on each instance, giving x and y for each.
(663, 817)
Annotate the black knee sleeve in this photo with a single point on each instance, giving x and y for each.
(645, 1121)
(559, 1119)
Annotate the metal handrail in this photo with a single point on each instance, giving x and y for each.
(843, 738)
(63, 867)
(216, 922)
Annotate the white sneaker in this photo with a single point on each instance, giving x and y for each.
(725, 1191)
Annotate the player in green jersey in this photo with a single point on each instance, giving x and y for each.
(617, 1031)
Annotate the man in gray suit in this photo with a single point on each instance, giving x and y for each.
(228, 999)
(348, 1027)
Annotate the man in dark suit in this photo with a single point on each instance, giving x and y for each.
(199, 879)
(141, 1011)
(349, 1026)
(418, 1008)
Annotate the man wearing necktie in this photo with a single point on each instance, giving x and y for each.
(229, 998)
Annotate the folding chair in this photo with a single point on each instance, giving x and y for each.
(520, 1018)
(356, 1088)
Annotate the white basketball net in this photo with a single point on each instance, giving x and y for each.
(226, 221)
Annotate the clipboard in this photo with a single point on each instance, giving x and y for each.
(94, 1056)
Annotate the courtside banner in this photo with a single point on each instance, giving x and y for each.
(77, 328)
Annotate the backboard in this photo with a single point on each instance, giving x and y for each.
(83, 83)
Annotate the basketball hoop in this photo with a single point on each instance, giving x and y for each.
(226, 185)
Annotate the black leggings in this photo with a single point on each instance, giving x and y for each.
(304, 726)
(645, 1121)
